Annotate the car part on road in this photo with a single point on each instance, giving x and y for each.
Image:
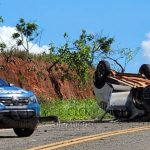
(124, 95)
(49, 118)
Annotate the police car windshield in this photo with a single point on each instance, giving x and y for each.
(3, 83)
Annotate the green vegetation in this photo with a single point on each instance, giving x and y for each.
(73, 109)
(26, 32)
(22, 80)
(78, 55)
(1, 19)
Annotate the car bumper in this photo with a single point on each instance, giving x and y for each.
(18, 119)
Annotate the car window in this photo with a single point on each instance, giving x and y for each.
(3, 83)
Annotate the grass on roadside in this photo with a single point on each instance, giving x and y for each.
(70, 110)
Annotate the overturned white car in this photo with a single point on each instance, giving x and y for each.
(124, 95)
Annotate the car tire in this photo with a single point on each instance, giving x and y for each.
(102, 71)
(20, 132)
(145, 69)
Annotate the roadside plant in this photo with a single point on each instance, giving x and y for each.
(7, 54)
(1, 19)
(79, 55)
(2, 46)
(26, 32)
(121, 58)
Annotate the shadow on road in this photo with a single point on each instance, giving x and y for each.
(9, 137)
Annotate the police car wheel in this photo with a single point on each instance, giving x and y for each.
(23, 132)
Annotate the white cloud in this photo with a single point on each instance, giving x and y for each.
(6, 37)
(146, 46)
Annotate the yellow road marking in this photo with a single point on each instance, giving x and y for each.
(88, 138)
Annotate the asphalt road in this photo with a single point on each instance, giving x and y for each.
(47, 134)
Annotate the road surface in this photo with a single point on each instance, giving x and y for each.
(76, 136)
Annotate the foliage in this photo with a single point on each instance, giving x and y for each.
(122, 57)
(26, 32)
(22, 79)
(80, 54)
(72, 109)
(97, 45)
(22, 54)
(6, 53)
(1, 19)
(2, 46)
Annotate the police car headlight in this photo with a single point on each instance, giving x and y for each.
(32, 99)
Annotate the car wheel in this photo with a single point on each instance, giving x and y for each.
(102, 71)
(145, 69)
(23, 132)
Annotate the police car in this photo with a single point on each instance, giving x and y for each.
(19, 109)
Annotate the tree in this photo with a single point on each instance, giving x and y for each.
(7, 54)
(124, 55)
(26, 32)
(82, 53)
(2, 44)
(98, 45)
(79, 54)
(1, 19)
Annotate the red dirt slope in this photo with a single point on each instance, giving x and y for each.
(34, 76)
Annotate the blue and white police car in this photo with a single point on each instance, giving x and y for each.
(19, 109)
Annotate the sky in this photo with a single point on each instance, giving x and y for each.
(127, 21)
